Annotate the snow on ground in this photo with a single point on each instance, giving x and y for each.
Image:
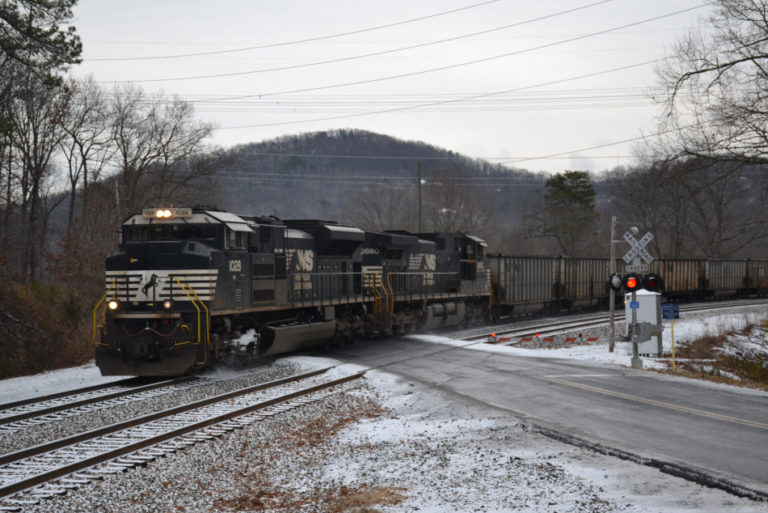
(451, 454)
(62, 380)
(689, 327)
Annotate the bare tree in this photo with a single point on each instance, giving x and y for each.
(157, 142)
(728, 216)
(86, 146)
(384, 207)
(658, 198)
(37, 132)
(715, 86)
(695, 208)
(457, 204)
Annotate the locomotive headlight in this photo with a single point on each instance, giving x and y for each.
(167, 304)
(113, 304)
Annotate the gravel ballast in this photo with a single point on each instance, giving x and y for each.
(216, 383)
(388, 445)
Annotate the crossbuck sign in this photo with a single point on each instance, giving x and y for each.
(638, 250)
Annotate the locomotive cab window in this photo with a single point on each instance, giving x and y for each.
(205, 233)
(471, 253)
(235, 240)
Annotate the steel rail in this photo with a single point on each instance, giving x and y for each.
(105, 430)
(109, 455)
(85, 402)
(549, 327)
(58, 395)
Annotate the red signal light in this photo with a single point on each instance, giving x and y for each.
(654, 282)
(632, 282)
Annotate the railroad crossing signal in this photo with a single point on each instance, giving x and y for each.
(632, 282)
(653, 282)
(638, 247)
(615, 281)
(636, 252)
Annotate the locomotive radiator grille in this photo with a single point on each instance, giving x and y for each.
(159, 285)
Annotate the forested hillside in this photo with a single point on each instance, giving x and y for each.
(371, 180)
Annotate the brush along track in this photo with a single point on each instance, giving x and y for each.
(50, 469)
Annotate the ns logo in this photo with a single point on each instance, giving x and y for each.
(304, 260)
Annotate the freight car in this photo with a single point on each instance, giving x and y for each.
(185, 283)
(532, 285)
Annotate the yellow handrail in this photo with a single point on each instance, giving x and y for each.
(194, 303)
(391, 292)
(104, 315)
(207, 317)
(377, 302)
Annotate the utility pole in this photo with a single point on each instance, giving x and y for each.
(419, 194)
(612, 293)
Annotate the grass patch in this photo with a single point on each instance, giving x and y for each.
(267, 470)
(735, 357)
(363, 500)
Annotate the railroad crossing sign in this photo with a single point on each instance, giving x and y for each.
(638, 248)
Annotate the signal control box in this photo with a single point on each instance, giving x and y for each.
(648, 319)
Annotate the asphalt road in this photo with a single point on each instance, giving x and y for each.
(715, 433)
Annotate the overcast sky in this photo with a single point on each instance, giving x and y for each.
(503, 80)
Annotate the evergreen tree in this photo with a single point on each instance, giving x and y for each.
(569, 212)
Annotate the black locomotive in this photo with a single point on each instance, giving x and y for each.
(191, 286)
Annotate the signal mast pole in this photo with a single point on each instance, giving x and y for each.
(418, 186)
(612, 293)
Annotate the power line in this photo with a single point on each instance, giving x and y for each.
(444, 102)
(403, 181)
(606, 145)
(300, 41)
(461, 64)
(373, 54)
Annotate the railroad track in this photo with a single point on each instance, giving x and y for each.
(50, 408)
(549, 327)
(69, 393)
(46, 409)
(40, 472)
